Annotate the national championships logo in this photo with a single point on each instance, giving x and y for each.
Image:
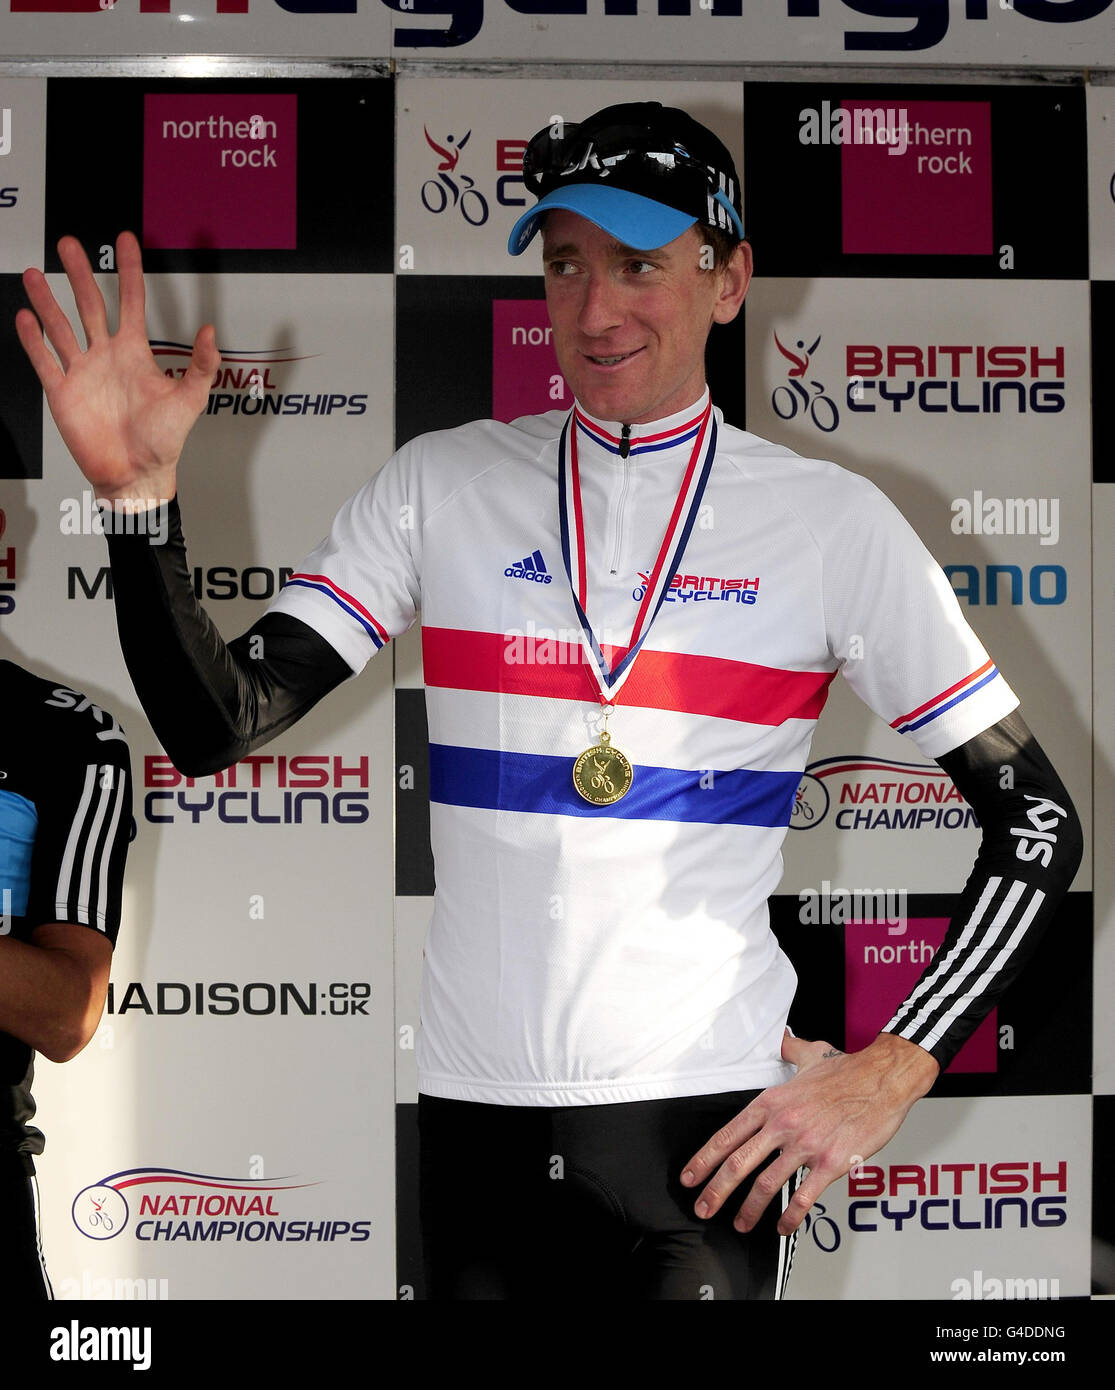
(177, 1205)
(879, 794)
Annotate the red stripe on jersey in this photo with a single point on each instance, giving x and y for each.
(982, 670)
(454, 659)
(342, 596)
(588, 424)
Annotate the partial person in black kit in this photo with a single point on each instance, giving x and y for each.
(522, 1064)
(65, 824)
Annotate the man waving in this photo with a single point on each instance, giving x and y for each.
(610, 1104)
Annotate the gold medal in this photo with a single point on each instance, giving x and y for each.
(602, 774)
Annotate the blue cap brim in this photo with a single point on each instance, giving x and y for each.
(638, 222)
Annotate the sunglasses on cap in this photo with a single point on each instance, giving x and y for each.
(636, 156)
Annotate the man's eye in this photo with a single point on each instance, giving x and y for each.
(641, 267)
(561, 267)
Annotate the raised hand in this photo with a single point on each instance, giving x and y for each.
(124, 422)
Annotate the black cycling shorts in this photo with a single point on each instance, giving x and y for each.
(585, 1204)
(23, 1274)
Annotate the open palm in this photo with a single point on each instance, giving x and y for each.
(122, 419)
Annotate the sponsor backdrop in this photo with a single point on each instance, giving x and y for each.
(243, 1124)
(987, 32)
(209, 1141)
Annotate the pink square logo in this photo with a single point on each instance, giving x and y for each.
(220, 171)
(526, 379)
(880, 969)
(916, 177)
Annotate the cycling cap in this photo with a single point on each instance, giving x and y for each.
(643, 171)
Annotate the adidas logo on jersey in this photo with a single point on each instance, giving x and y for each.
(531, 567)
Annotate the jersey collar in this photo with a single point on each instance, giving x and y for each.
(670, 437)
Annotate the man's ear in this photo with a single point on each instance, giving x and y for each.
(734, 280)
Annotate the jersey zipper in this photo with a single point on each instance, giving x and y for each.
(624, 451)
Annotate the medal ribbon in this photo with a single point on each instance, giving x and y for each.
(678, 528)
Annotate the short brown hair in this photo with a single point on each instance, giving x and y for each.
(722, 243)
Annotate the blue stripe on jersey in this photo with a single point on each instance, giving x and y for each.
(341, 604)
(656, 448)
(933, 714)
(635, 447)
(541, 783)
(18, 822)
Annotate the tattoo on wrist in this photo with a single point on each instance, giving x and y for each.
(833, 1052)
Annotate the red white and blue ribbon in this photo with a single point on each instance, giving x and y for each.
(666, 564)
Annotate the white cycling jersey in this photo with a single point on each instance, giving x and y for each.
(583, 954)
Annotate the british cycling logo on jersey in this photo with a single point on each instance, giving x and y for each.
(702, 588)
(879, 794)
(176, 1205)
(801, 395)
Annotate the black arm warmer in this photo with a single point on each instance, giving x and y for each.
(209, 702)
(1031, 848)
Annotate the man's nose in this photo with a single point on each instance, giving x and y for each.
(601, 310)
